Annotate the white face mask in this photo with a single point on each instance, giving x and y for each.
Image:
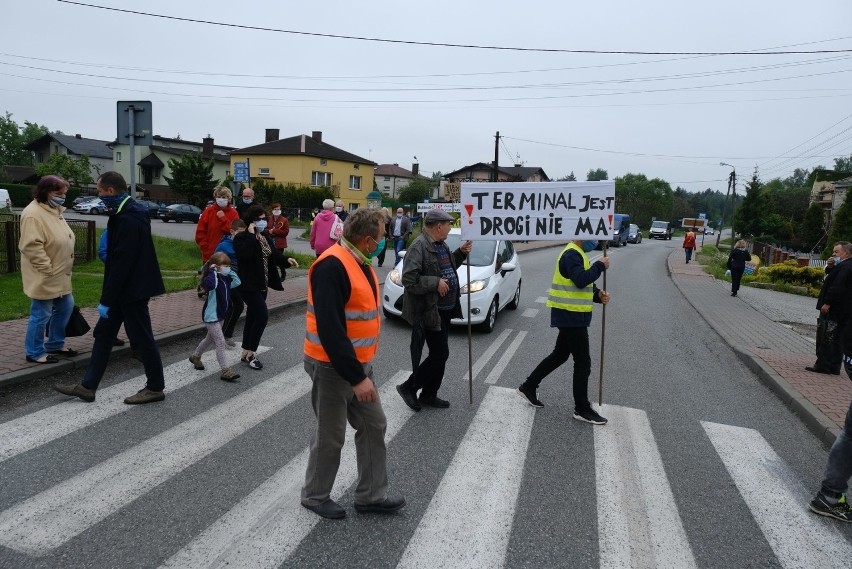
(276, 212)
(221, 202)
(338, 209)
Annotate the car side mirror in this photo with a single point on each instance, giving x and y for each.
(506, 268)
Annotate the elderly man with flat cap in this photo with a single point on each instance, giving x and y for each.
(431, 300)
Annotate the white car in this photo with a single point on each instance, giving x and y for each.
(495, 275)
(94, 206)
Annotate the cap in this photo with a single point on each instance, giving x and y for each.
(436, 214)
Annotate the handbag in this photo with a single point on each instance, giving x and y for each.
(336, 231)
(77, 325)
(826, 331)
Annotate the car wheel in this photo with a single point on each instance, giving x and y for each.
(178, 220)
(515, 299)
(388, 313)
(490, 318)
(165, 220)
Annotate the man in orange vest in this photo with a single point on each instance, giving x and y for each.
(341, 340)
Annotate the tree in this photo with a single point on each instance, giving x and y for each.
(841, 225)
(13, 139)
(812, 228)
(77, 171)
(416, 191)
(642, 198)
(192, 176)
(597, 174)
(843, 164)
(754, 206)
(569, 178)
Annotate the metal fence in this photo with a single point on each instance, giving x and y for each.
(10, 233)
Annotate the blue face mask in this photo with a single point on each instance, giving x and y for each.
(260, 225)
(112, 202)
(380, 246)
(225, 271)
(248, 201)
(589, 246)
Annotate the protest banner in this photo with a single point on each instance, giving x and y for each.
(539, 211)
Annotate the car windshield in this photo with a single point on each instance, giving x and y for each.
(659, 224)
(482, 253)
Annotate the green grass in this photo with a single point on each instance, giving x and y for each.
(179, 263)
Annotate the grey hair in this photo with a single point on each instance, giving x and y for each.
(222, 192)
(327, 204)
(846, 246)
(363, 222)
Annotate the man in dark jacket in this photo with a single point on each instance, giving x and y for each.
(570, 300)
(131, 277)
(835, 306)
(431, 300)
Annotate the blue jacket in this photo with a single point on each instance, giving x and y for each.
(571, 267)
(216, 306)
(226, 246)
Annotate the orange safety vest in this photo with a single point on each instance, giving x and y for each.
(363, 323)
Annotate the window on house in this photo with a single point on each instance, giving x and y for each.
(323, 162)
(118, 156)
(320, 178)
(354, 182)
(40, 157)
(158, 172)
(263, 171)
(357, 166)
(387, 178)
(387, 188)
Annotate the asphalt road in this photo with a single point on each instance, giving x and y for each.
(700, 465)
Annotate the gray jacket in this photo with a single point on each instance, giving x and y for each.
(421, 274)
(404, 227)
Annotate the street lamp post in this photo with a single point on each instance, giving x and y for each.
(732, 189)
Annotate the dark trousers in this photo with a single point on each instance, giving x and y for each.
(736, 278)
(381, 256)
(257, 316)
(137, 324)
(234, 313)
(429, 374)
(570, 341)
(829, 357)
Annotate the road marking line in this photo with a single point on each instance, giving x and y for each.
(56, 515)
(530, 312)
(777, 500)
(638, 520)
(488, 354)
(504, 360)
(264, 528)
(541, 299)
(41, 427)
(469, 520)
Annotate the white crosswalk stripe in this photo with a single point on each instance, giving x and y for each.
(56, 515)
(36, 429)
(504, 360)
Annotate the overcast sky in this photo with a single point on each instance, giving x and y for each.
(674, 117)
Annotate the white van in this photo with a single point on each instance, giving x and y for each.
(5, 200)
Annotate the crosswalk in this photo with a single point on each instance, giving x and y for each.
(471, 512)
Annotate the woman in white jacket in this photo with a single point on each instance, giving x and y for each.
(47, 259)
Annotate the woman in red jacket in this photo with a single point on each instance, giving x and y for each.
(279, 227)
(215, 222)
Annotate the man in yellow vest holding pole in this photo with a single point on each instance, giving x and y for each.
(571, 296)
(341, 339)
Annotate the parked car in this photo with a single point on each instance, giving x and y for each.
(93, 207)
(153, 207)
(5, 200)
(620, 231)
(180, 212)
(709, 231)
(660, 230)
(81, 199)
(495, 276)
(633, 234)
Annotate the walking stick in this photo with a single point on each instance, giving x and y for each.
(603, 337)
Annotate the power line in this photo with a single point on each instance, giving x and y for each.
(450, 45)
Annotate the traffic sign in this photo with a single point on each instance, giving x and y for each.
(241, 172)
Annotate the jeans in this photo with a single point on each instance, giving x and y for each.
(570, 341)
(257, 315)
(334, 403)
(839, 467)
(137, 324)
(688, 254)
(58, 311)
(429, 374)
(398, 245)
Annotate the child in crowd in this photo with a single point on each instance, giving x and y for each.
(218, 281)
(226, 245)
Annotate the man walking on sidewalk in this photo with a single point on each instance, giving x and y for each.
(689, 244)
(835, 306)
(131, 277)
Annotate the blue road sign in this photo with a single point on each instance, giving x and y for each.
(241, 172)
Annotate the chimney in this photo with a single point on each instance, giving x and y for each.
(317, 135)
(415, 169)
(302, 148)
(77, 136)
(207, 147)
(272, 134)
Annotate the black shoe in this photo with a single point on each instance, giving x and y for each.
(818, 370)
(48, 359)
(528, 395)
(589, 416)
(76, 390)
(819, 505)
(433, 401)
(733, 294)
(329, 509)
(408, 396)
(386, 506)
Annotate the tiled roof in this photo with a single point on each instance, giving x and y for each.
(21, 174)
(77, 146)
(393, 170)
(292, 146)
(184, 152)
(520, 172)
(152, 160)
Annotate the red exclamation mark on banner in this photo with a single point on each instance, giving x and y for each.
(469, 208)
(610, 221)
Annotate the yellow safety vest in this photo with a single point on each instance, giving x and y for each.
(564, 294)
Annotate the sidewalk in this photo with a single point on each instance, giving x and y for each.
(773, 351)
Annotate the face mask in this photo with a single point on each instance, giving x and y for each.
(380, 246)
(338, 209)
(837, 260)
(260, 225)
(398, 215)
(57, 200)
(222, 202)
(589, 246)
(247, 201)
(225, 271)
(276, 212)
(112, 202)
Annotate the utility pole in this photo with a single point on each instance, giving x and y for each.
(494, 176)
(733, 206)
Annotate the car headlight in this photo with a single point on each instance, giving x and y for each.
(395, 277)
(475, 286)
